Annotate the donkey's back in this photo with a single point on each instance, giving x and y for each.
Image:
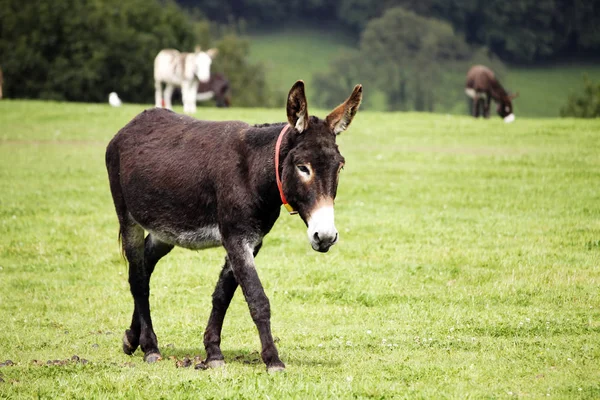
(164, 170)
(160, 127)
(480, 78)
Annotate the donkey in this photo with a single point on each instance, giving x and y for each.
(481, 87)
(199, 184)
(185, 70)
(218, 88)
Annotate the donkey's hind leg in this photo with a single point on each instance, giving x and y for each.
(142, 256)
(222, 296)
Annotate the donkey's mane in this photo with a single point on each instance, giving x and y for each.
(269, 124)
(498, 90)
(313, 119)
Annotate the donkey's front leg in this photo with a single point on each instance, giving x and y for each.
(240, 254)
(188, 95)
(168, 95)
(221, 299)
(158, 98)
(478, 106)
(486, 106)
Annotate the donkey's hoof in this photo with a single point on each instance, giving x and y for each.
(274, 368)
(215, 363)
(128, 347)
(152, 357)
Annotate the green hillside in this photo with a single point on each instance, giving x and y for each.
(297, 53)
(544, 90)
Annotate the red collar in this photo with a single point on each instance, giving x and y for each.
(279, 185)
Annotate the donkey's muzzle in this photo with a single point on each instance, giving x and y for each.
(321, 245)
(321, 229)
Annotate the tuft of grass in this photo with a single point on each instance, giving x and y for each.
(468, 266)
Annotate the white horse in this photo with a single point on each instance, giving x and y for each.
(185, 70)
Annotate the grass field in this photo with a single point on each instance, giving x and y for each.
(543, 90)
(468, 267)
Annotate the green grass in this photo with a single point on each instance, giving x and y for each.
(468, 267)
(544, 90)
(297, 53)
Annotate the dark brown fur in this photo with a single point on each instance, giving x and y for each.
(199, 184)
(483, 81)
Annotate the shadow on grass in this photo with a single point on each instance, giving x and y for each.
(243, 356)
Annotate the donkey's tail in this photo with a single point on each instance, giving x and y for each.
(113, 166)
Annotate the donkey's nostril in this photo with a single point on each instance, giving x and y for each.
(336, 237)
(316, 236)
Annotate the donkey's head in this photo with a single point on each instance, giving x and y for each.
(505, 107)
(310, 170)
(202, 61)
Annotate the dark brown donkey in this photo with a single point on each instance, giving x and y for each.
(482, 86)
(199, 184)
(217, 88)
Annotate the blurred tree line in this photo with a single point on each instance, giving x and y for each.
(518, 31)
(84, 49)
(416, 62)
(414, 53)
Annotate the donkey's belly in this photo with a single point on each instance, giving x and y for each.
(198, 239)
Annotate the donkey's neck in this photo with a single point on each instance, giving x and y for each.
(260, 143)
(497, 91)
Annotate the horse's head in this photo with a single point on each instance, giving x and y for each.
(505, 107)
(310, 170)
(202, 61)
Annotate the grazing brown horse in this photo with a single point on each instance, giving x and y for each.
(482, 86)
(199, 184)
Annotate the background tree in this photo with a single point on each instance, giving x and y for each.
(81, 50)
(332, 86)
(406, 56)
(585, 104)
(521, 31)
(249, 87)
(84, 49)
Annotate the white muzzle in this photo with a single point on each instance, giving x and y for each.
(509, 118)
(321, 229)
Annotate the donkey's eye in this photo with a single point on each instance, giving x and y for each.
(304, 169)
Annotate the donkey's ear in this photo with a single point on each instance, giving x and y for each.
(212, 53)
(297, 111)
(340, 118)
